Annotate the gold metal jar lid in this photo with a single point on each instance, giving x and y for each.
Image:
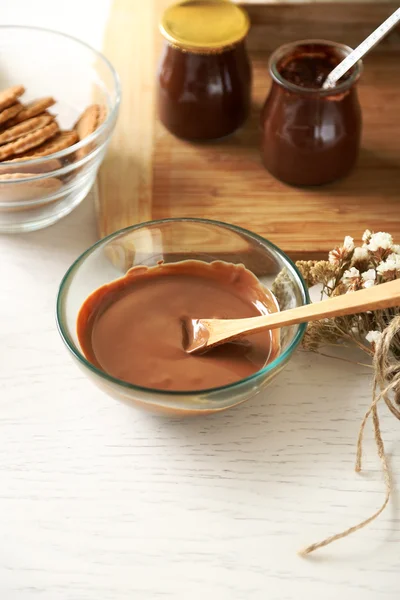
(204, 26)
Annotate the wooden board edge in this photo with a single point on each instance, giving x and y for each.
(125, 178)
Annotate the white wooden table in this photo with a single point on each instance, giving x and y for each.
(99, 501)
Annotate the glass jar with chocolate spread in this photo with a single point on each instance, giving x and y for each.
(310, 136)
(204, 77)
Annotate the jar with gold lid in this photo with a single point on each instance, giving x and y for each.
(204, 77)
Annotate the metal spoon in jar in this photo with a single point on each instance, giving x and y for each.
(365, 46)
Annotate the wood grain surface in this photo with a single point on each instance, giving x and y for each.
(151, 175)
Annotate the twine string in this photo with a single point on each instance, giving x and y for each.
(387, 380)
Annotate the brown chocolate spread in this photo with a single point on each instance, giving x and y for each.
(204, 96)
(308, 67)
(132, 328)
(310, 136)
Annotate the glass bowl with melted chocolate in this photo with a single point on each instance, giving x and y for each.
(122, 305)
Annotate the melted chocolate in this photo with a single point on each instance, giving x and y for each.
(132, 328)
(204, 96)
(308, 67)
(310, 138)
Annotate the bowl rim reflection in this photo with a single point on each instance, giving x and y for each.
(111, 115)
(281, 358)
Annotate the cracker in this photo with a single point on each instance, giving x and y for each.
(34, 108)
(10, 95)
(87, 123)
(26, 142)
(102, 115)
(10, 112)
(25, 191)
(13, 122)
(90, 119)
(16, 166)
(61, 141)
(25, 127)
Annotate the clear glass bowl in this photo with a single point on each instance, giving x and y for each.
(173, 240)
(48, 63)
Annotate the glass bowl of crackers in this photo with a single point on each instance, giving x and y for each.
(59, 101)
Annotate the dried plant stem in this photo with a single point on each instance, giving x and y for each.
(352, 362)
(355, 341)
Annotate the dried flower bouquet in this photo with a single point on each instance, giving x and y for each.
(347, 269)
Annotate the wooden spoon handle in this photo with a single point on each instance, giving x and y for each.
(384, 295)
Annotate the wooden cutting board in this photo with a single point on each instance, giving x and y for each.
(148, 174)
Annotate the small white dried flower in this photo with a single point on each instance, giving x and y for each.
(392, 263)
(366, 236)
(383, 268)
(333, 257)
(373, 337)
(360, 255)
(380, 241)
(350, 275)
(348, 244)
(370, 274)
(395, 258)
(341, 253)
(368, 278)
(369, 283)
(395, 249)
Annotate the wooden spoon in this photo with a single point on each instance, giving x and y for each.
(203, 334)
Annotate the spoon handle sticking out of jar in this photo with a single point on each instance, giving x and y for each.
(365, 46)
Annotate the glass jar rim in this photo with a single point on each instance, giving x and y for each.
(283, 50)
